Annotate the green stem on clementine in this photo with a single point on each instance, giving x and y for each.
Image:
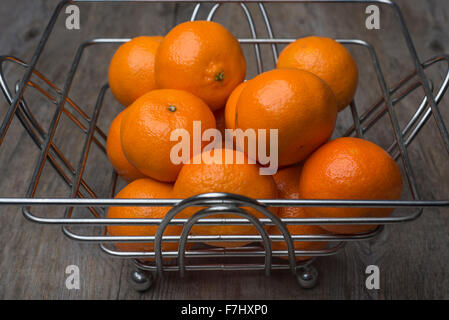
(219, 76)
(172, 108)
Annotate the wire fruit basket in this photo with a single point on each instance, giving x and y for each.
(252, 257)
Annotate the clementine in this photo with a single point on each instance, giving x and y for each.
(115, 153)
(327, 59)
(202, 57)
(142, 189)
(200, 176)
(220, 120)
(131, 72)
(354, 169)
(297, 103)
(287, 182)
(148, 125)
(231, 104)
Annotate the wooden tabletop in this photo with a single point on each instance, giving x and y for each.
(412, 258)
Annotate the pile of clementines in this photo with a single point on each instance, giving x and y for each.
(196, 73)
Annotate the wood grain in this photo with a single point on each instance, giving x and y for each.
(412, 257)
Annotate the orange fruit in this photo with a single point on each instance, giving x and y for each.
(287, 182)
(297, 103)
(219, 176)
(202, 57)
(354, 169)
(131, 72)
(115, 153)
(142, 189)
(149, 123)
(220, 120)
(231, 105)
(327, 59)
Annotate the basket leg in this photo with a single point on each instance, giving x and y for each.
(307, 277)
(141, 280)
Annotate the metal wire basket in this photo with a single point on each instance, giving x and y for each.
(254, 257)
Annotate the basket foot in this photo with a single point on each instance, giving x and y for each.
(307, 277)
(141, 280)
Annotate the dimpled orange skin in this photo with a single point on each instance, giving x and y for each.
(350, 168)
(201, 57)
(297, 103)
(148, 124)
(243, 179)
(231, 105)
(142, 189)
(131, 72)
(287, 182)
(329, 60)
(115, 153)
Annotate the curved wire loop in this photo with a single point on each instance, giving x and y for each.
(35, 130)
(269, 30)
(223, 210)
(212, 11)
(23, 106)
(196, 9)
(422, 109)
(223, 198)
(252, 28)
(37, 133)
(442, 128)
